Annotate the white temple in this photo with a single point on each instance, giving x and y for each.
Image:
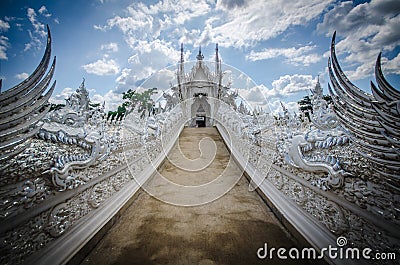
(196, 87)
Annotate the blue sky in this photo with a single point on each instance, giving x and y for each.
(282, 45)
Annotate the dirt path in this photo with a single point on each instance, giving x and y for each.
(227, 230)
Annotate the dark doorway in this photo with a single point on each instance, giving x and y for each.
(201, 121)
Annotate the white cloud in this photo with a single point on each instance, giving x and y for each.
(295, 56)
(43, 11)
(22, 76)
(276, 107)
(39, 27)
(367, 29)
(161, 79)
(255, 96)
(102, 67)
(283, 89)
(110, 47)
(60, 98)
(391, 66)
(112, 100)
(256, 21)
(4, 26)
(4, 44)
(230, 4)
(149, 57)
(147, 27)
(267, 99)
(37, 34)
(291, 84)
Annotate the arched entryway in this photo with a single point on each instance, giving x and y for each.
(200, 111)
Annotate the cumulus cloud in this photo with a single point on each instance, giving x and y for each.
(60, 97)
(270, 101)
(295, 56)
(4, 44)
(44, 12)
(110, 47)
(229, 4)
(255, 96)
(149, 57)
(276, 107)
(237, 23)
(38, 32)
(22, 76)
(39, 27)
(4, 26)
(244, 26)
(112, 100)
(391, 66)
(291, 84)
(102, 67)
(367, 28)
(283, 89)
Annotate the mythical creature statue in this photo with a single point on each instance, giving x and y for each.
(172, 99)
(82, 132)
(59, 165)
(354, 141)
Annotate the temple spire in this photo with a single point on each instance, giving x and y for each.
(216, 53)
(200, 56)
(182, 58)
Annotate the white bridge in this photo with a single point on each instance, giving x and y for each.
(67, 175)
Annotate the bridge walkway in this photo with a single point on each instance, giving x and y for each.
(226, 230)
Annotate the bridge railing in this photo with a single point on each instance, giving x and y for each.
(319, 214)
(77, 202)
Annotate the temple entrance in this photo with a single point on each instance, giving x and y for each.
(200, 109)
(201, 121)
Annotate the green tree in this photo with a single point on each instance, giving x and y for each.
(142, 102)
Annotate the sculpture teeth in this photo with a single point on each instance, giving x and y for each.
(333, 160)
(328, 159)
(47, 136)
(61, 136)
(41, 135)
(336, 166)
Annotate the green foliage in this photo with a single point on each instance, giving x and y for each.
(133, 100)
(117, 115)
(142, 102)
